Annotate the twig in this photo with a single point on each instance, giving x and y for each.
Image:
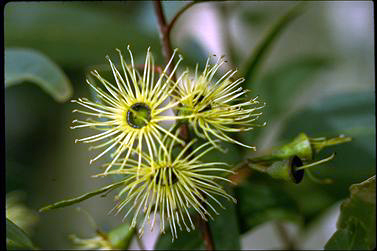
(179, 13)
(206, 233)
(241, 172)
(164, 35)
(164, 30)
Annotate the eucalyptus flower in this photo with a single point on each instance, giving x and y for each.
(130, 111)
(216, 107)
(173, 186)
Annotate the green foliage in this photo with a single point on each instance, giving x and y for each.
(77, 35)
(281, 87)
(17, 238)
(30, 65)
(357, 221)
(225, 229)
(121, 236)
(262, 200)
(260, 52)
(187, 241)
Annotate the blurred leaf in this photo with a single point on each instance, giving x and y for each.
(255, 17)
(121, 236)
(280, 87)
(261, 200)
(30, 65)
(224, 227)
(193, 53)
(76, 34)
(186, 241)
(262, 48)
(83, 197)
(357, 221)
(17, 238)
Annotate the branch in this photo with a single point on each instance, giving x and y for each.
(206, 234)
(179, 13)
(164, 34)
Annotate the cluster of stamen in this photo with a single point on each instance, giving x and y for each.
(165, 176)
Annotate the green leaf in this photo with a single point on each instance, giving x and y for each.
(224, 227)
(30, 65)
(357, 221)
(17, 238)
(262, 48)
(121, 236)
(186, 241)
(76, 34)
(83, 197)
(280, 87)
(261, 200)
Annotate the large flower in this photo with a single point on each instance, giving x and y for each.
(172, 186)
(215, 107)
(129, 112)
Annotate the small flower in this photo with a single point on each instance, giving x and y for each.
(130, 111)
(172, 186)
(213, 106)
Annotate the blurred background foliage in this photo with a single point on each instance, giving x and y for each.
(316, 76)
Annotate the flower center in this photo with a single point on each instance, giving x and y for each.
(199, 100)
(138, 115)
(168, 176)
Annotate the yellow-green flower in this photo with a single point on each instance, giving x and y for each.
(215, 107)
(171, 186)
(130, 110)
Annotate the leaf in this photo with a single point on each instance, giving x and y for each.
(16, 237)
(186, 241)
(30, 65)
(262, 48)
(356, 226)
(83, 197)
(261, 200)
(224, 227)
(193, 52)
(121, 236)
(280, 87)
(76, 35)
